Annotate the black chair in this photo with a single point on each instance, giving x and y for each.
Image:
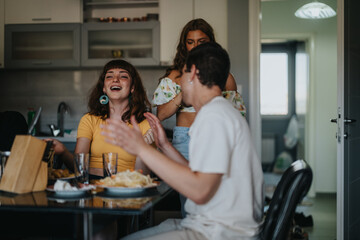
(292, 188)
(12, 123)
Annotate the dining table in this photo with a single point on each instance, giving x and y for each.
(128, 203)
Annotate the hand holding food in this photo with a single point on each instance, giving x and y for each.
(58, 146)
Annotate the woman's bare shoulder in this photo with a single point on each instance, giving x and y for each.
(174, 75)
(230, 83)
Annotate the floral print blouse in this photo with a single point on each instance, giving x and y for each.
(168, 89)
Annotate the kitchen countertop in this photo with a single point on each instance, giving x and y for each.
(61, 139)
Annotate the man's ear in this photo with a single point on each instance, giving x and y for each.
(193, 72)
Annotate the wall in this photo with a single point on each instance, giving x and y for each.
(278, 20)
(21, 89)
(238, 42)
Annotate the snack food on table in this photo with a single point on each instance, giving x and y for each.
(131, 179)
(60, 173)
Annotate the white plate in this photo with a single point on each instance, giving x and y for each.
(126, 190)
(66, 178)
(68, 193)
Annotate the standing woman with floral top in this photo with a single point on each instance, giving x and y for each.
(168, 95)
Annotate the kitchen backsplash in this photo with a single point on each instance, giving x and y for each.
(22, 89)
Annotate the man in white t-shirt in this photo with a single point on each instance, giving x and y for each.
(223, 179)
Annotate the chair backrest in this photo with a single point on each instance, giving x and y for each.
(12, 123)
(292, 188)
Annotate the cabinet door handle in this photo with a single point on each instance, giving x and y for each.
(41, 63)
(41, 19)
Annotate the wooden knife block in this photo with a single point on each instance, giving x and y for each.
(25, 171)
(42, 178)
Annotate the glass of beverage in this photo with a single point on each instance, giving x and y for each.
(81, 167)
(110, 164)
(3, 158)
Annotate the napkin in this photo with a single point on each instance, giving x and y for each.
(61, 185)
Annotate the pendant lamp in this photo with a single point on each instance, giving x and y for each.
(315, 10)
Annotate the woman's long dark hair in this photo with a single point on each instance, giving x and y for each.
(181, 51)
(138, 101)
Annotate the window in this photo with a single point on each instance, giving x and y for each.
(274, 91)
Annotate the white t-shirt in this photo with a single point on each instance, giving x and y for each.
(220, 142)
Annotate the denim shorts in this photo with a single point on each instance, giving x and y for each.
(181, 140)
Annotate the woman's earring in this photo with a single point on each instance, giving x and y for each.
(104, 99)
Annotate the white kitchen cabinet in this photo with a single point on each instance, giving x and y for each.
(136, 42)
(43, 11)
(175, 14)
(42, 45)
(2, 19)
(117, 9)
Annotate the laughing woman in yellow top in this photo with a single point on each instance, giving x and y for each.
(118, 94)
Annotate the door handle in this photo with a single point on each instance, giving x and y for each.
(345, 135)
(349, 120)
(334, 120)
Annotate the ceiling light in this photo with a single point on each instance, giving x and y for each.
(315, 10)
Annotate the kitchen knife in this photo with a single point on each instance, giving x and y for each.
(35, 120)
(49, 152)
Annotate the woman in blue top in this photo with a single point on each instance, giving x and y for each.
(168, 95)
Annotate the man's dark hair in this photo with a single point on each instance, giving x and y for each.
(213, 64)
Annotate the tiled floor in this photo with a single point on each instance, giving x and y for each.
(323, 210)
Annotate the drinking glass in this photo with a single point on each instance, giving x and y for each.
(110, 163)
(81, 167)
(3, 158)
